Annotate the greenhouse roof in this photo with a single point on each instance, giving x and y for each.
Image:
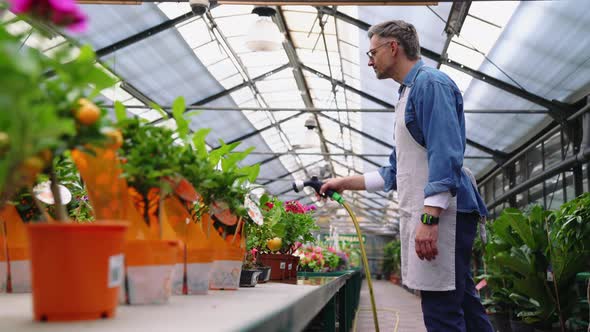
(521, 66)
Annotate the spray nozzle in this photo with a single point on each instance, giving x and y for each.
(316, 184)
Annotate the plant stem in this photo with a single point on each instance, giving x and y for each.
(60, 210)
(549, 246)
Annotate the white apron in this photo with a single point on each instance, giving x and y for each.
(412, 177)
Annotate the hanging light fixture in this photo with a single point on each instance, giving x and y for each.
(311, 139)
(264, 35)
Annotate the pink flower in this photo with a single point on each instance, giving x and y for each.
(269, 205)
(332, 250)
(60, 12)
(318, 250)
(310, 208)
(297, 245)
(295, 207)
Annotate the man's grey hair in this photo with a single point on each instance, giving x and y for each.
(403, 32)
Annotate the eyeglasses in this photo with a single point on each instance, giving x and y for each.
(371, 53)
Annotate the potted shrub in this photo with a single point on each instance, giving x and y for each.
(223, 192)
(149, 158)
(74, 265)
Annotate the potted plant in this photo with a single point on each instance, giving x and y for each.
(37, 205)
(289, 225)
(539, 254)
(223, 193)
(74, 265)
(150, 158)
(392, 261)
(312, 259)
(249, 274)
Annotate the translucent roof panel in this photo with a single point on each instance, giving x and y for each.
(153, 72)
(128, 21)
(424, 18)
(539, 46)
(541, 31)
(480, 31)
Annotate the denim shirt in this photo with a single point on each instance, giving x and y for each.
(435, 119)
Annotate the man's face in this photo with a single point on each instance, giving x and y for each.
(381, 55)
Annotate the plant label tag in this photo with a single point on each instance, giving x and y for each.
(116, 265)
(282, 266)
(253, 211)
(481, 284)
(290, 267)
(549, 273)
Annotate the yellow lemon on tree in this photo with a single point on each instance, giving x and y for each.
(274, 244)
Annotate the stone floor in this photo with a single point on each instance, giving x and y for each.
(398, 310)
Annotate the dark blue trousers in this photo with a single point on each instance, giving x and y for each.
(461, 309)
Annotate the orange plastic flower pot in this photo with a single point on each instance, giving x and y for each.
(76, 269)
(149, 270)
(151, 252)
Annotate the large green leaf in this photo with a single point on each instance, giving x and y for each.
(178, 108)
(521, 226)
(200, 143)
(120, 112)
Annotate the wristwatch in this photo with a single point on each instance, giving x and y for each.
(427, 219)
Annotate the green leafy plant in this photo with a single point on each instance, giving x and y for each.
(532, 261)
(216, 174)
(79, 208)
(257, 235)
(299, 225)
(392, 257)
(148, 154)
(50, 111)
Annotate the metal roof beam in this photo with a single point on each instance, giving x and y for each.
(258, 131)
(459, 11)
(299, 77)
(284, 175)
(494, 153)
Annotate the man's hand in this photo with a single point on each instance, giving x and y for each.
(426, 241)
(336, 184)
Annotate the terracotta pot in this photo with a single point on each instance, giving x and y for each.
(294, 265)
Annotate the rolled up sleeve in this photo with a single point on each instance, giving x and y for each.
(383, 179)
